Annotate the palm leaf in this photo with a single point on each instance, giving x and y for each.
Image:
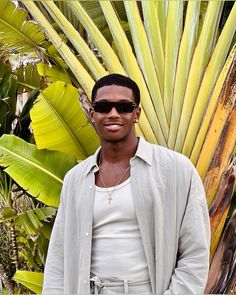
(144, 58)
(220, 161)
(4, 68)
(16, 31)
(76, 67)
(35, 170)
(23, 120)
(161, 8)
(200, 59)
(53, 73)
(78, 42)
(8, 99)
(28, 78)
(31, 280)
(212, 72)
(186, 50)
(93, 9)
(230, 63)
(173, 34)
(222, 112)
(109, 57)
(152, 28)
(59, 122)
(30, 219)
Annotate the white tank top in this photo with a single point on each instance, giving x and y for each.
(117, 249)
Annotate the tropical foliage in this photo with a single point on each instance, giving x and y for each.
(183, 57)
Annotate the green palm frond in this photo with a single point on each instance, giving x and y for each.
(187, 46)
(4, 68)
(29, 279)
(53, 73)
(63, 125)
(208, 83)
(28, 78)
(76, 67)
(39, 172)
(16, 32)
(31, 219)
(200, 60)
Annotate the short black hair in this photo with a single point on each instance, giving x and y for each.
(117, 79)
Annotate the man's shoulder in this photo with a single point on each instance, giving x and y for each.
(160, 154)
(167, 154)
(80, 168)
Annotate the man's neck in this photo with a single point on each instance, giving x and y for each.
(119, 151)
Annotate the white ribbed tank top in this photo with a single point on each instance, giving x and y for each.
(117, 249)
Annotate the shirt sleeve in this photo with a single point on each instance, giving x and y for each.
(191, 272)
(54, 267)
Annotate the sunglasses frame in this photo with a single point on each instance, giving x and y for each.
(119, 106)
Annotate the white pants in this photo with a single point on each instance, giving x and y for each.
(113, 286)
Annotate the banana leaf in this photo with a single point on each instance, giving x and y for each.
(53, 73)
(59, 122)
(4, 68)
(32, 280)
(8, 98)
(39, 172)
(76, 67)
(16, 32)
(31, 219)
(23, 121)
(28, 78)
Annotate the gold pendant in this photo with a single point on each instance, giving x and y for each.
(109, 199)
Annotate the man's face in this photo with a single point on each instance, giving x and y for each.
(115, 125)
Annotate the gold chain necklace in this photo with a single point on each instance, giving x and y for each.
(111, 192)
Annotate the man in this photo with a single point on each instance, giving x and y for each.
(133, 217)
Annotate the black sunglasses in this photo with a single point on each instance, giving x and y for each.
(121, 106)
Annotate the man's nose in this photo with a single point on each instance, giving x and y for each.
(113, 112)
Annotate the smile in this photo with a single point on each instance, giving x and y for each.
(113, 126)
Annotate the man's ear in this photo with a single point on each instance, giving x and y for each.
(137, 114)
(91, 114)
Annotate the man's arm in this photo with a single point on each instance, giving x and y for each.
(54, 268)
(190, 274)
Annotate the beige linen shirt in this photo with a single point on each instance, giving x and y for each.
(172, 214)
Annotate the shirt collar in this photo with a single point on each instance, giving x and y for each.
(144, 152)
(93, 162)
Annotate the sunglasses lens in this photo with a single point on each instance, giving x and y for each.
(125, 107)
(102, 107)
(106, 107)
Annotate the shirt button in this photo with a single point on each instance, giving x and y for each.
(84, 281)
(90, 186)
(86, 234)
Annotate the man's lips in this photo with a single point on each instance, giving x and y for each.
(113, 123)
(113, 126)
